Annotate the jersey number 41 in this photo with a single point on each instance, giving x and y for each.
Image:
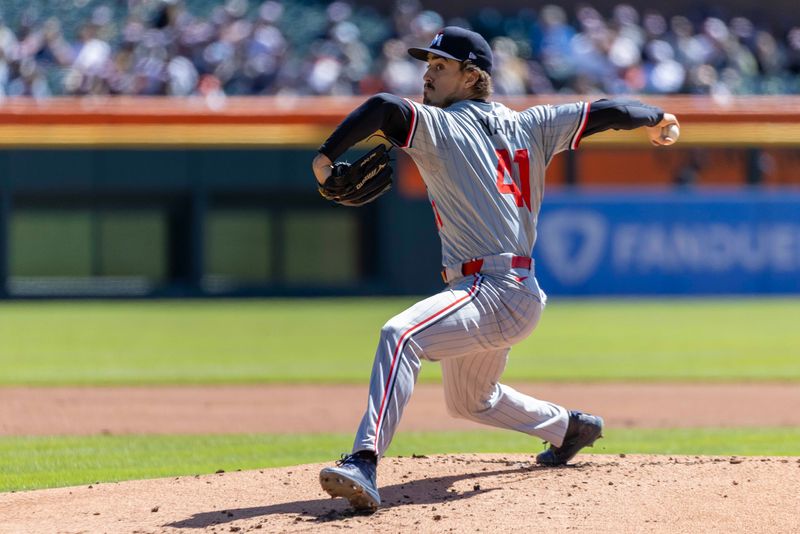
(523, 197)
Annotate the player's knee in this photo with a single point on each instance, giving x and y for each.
(467, 407)
(458, 406)
(394, 339)
(455, 409)
(391, 330)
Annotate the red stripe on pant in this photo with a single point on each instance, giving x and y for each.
(401, 341)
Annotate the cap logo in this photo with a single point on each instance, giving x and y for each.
(472, 56)
(437, 41)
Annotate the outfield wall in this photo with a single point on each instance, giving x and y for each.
(191, 197)
(670, 242)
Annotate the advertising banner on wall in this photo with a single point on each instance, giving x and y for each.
(682, 242)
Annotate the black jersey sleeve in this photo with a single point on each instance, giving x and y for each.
(618, 114)
(391, 114)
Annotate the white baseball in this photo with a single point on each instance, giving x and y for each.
(670, 133)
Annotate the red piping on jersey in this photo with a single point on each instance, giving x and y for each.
(439, 222)
(584, 121)
(413, 124)
(401, 342)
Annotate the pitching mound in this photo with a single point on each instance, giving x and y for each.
(476, 493)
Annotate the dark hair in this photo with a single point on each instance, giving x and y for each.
(483, 86)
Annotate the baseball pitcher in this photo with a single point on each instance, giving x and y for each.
(484, 167)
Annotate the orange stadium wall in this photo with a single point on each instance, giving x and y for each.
(731, 142)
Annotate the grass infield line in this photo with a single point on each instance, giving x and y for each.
(28, 463)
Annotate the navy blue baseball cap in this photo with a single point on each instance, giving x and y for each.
(460, 44)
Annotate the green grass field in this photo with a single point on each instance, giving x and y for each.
(333, 340)
(36, 462)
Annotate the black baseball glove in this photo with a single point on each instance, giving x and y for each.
(360, 182)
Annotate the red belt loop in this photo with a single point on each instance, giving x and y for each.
(471, 267)
(522, 262)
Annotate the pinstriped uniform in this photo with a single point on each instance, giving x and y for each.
(483, 165)
(459, 163)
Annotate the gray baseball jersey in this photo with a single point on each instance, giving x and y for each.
(484, 167)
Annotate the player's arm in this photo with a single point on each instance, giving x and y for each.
(384, 112)
(607, 114)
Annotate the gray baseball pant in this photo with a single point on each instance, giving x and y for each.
(470, 328)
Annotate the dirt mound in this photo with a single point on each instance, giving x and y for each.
(477, 493)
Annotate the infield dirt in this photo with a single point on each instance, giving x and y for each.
(457, 493)
(338, 408)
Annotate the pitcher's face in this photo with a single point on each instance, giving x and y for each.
(444, 82)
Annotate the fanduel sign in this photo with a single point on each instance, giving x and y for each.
(715, 247)
(674, 243)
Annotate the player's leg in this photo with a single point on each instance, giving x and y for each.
(501, 315)
(477, 314)
(473, 391)
(480, 314)
(394, 373)
(397, 363)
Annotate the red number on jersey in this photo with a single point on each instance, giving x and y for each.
(521, 198)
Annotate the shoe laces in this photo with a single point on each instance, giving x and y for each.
(355, 459)
(345, 459)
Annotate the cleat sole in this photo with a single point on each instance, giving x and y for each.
(359, 498)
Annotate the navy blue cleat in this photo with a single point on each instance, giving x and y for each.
(582, 431)
(354, 479)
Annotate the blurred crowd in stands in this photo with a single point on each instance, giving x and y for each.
(236, 47)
